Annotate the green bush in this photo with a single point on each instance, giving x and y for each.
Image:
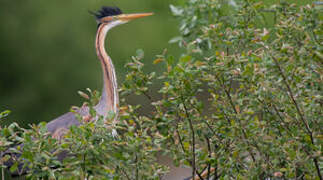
(243, 102)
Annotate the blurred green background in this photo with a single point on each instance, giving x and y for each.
(47, 51)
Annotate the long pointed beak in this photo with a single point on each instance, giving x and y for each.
(128, 17)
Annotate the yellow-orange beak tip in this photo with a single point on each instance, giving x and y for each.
(128, 17)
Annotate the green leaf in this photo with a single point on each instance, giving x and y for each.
(176, 39)
(42, 128)
(170, 60)
(4, 114)
(14, 167)
(185, 59)
(176, 10)
(140, 54)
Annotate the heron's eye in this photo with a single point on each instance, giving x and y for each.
(106, 19)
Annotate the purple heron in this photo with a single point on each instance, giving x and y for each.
(107, 18)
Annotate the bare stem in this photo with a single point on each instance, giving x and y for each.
(281, 119)
(193, 139)
(125, 173)
(180, 141)
(236, 112)
(2, 173)
(148, 96)
(184, 151)
(137, 170)
(209, 151)
(291, 95)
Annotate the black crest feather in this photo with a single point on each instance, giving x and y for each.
(107, 11)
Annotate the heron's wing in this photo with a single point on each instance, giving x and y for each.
(64, 121)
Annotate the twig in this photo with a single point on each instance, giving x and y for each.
(180, 140)
(317, 168)
(281, 119)
(137, 170)
(125, 173)
(226, 117)
(184, 151)
(209, 151)
(2, 173)
(148, 96)
(276, 110)
(193, 138)
(291, 95)
(228, 95)
(83, 166)
(236, 112)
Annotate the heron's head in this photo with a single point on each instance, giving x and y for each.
(113, 16)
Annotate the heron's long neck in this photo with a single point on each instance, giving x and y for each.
(109, 100)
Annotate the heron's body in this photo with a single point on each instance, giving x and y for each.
(109, 99)
(107, 18)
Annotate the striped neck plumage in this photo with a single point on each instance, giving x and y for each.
(109, 100)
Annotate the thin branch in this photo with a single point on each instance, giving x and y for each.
(125, 173)
(209, 126)
(2, 173)
(281, 119)
(180, 140)
(236, 112)
(210, 152)
(316, 163)
(291, 95)
(226, 117)
(137, 170)
(193, 138)
(228, 95)
(184, 151)
(83, 166)
(200, 175)
(148, 96)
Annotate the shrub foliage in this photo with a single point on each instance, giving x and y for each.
(243, 102)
